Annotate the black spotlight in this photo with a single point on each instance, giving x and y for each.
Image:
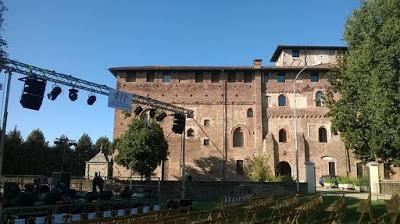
(138, 110)
(91, 100)
(152, 113)
(32, 95)
(161, 116)
(54, 93)
(73, 94)
(179, 123)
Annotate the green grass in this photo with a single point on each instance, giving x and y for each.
(351, 216)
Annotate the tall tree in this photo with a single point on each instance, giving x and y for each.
(83, 152)
(13, 152)
(3, 43)
(36, 137)
(368, 82)
(142, 147)
(104, 144)
(14, 137)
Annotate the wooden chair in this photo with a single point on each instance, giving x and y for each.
(365, 207)
(393, 208)
(337, 210)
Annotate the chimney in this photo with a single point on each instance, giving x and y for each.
(257, 63)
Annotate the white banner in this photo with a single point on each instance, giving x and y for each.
(120, 100)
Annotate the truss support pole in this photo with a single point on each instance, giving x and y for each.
(4, 123)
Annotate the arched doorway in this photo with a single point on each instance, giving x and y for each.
(283, 169)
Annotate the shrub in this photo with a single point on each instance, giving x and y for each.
(345, 180)
(362, 181)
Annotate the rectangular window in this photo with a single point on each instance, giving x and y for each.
(231, 77)
(150, 77)
(248, 77)
(215, 77)
(265, 78)
(281, 77)
(199, 76)
(295, 53)
(239, 167)
(206, 142)
(206, 123)
(314, 77)
(166, 77)
(332, 171)
(131, 77)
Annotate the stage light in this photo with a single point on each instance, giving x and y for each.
(91, 100)
(54, 93)
(152, 113)
(138, 110)
(73, 94)
(161, 116)
(179, 123)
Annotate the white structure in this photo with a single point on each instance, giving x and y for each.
(100, 164)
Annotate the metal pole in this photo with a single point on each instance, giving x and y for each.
(183, 166)
(4, 125)
(295, 130)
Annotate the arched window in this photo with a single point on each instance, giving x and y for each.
(281, 100)
(318, 99)
(238, 139)
(250, 112)
(282, 135)
(190, 133)
(322, 134)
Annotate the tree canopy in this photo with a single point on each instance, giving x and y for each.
(36, 137)
(142, 147)
(104, 144)
(3, 43)
(368, 82)
(258, 169)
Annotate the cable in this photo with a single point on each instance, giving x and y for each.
(208, 137)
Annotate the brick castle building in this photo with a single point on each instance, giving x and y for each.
(240, 111)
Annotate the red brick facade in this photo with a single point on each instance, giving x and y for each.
(243, 102)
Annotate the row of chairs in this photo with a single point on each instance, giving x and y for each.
(90, 216)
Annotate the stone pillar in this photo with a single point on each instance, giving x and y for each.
(373, 177)
(310, 177)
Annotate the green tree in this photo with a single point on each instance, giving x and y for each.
(13, 152)
(36, 137)
(142, 147)
(14, 137)
(103, 144)
(83, 152)
(367, 80)
(3, 43)
(258, 169)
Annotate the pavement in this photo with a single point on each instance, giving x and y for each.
(350, 193)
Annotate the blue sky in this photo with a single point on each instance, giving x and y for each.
(85, 38)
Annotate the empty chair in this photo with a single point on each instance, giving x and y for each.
(19, 221)
(120, 212)
(40, 220)
(134, 211)
(92, 215)
(76, 217)
(58, 218)
(146, 209)
(107, 214)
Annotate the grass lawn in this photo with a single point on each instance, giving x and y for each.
(351, 216)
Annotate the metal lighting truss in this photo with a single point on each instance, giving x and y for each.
(68, 80)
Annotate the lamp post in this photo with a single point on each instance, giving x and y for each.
(295, 124)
